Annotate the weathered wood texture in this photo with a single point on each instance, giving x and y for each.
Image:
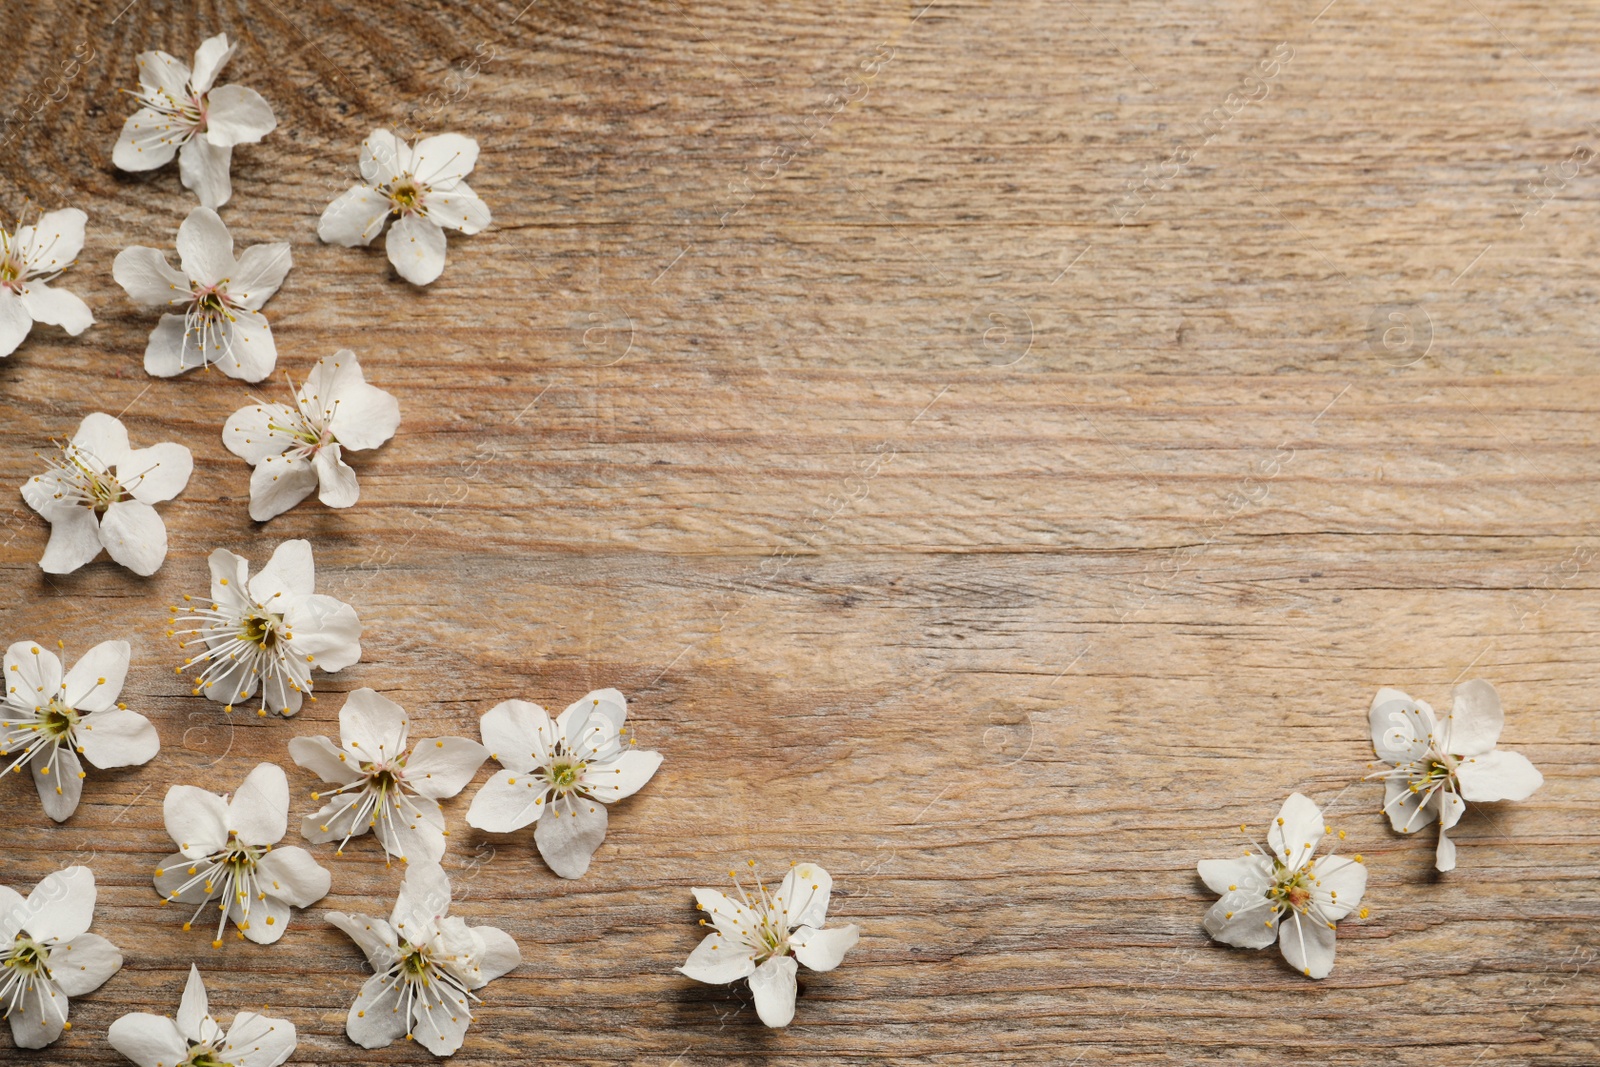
(945, 521)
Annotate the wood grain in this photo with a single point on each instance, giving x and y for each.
(945, 522)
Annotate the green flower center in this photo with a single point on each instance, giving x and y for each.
(414, 964)
(57, 719)
(564, 775)
(262, 629)
(27, 955)
(205, 1056)
(1291, 889)
(405, 196)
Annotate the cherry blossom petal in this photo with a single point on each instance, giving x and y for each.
(508, 801)
(443, 1027)
(518, 734)
(569, 833)
(1408, 810)
(33, 674)
(1498, 775)
(134, 535)
(360, 415)
(1401, 727)
(384, 157)
(823, 950)
(375, 1019)
(374, 937)
(61, 906)
(1243, 919)
(117, 737)
(162, 74)
(293, 876)
(57, 307)
(149, 139)
(290, 573)
(236, 115)
(172, 348)
(148, 1040)
(718, 960)
(258, 813)
(500, 954)
(95, 681)
(258, 1040)
(194, 1008)
(52, 244)
(324, 759)
(279, 483)
(412, 830)
(247, 351)
(622, 777)
(441, 767)
(355, 217)
(249, 432)
(1444, 853)
(1308, 945)
(444, 158)
(203, 167)
(773, 986)
(457, 208)
(1475, 720)
(262, 920)
(209, 59)
(373, 725)
(15, 322)
(1337, 885)
(33, 1027)
(424, 897)
(260, 273)
(1294, 834)
(205, 247)
(157, 473)
(83, 964)
(148, 278)
(103, 437)
(802, 899)
(416, 248)
(1242, 872)
(196, 820)
(327, 629)
(58, 778)
(336, 478)
(74, 541)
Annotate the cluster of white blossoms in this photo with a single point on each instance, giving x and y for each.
(1286, 895)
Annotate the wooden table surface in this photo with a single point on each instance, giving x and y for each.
(996, 447)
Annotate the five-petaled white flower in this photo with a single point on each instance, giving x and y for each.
(1281, 894)
(99, 495)
(225, 853)
(219, 300)
(382, 786)
(760, 937)
(300, 448)
(566, 771)
(48, 720)
(180, 113)
(425, 963)
(48, 955)
(30, 257)
(195, 1039)
(1435, 766)
(424, 189)
(270, 630)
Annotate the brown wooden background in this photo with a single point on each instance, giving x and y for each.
(1157, 506)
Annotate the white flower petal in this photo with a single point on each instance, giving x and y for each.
(279, 483)
(1308, 945)
(373, 725)
(569, 833)
(424, 899)
(172, 349)
(1451, 808)
(336, 820)
(172, 875)
(58, 778)
(360, 415)
(729, 916)
(621, 777)
(1444, 854)
(148, 278)
(442, 1029)
(196, 820)
(336, 478)
(249, 432)
(157, 473)
(719, 960)
(500, 954)
(384, 157)
(1498, 775)
(205, 247)
(149, 139)
(15, 322)
(260, 272)
(802, 899)
(457, 208)
(134, 535)
(117, 737)
(291, 573)
(414, 831)
(290, 874)
(1338, 883)
(148, 1040)
(95, 681)
(194, 1008)
(374, 937)
(823, 950)
(258, 1040)
(355, 217)
(416, 248)
(1243, 919)
(1475, 720)
(258, 813)
(773, 986)
(61, 906)
(203, 167)
(36, 1027)
(518, 734)
(209, 59)
(508, 801)
(1401, 727)
(327, 629)
(229, 577)
(247, 351)
(57, 307)
(375, 1019)
(103, 437)
(444, 158)
(162, 74)
(1294, 834)
(82, 964)
(1407, 810)
(321, 757)
(236, 115)
(441, 767)
(1242, 872)
(263, 919)
(74, 541)
(54, 242)
(33, 674)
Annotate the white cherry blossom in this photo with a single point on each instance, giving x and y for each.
(426, 964)
(384, 783)
(1433, 766)
(49, 719)
(30, 256)
(765, 936)
(195, 1039)
(423, 190)
(560, 775)
(218, 300)
(297, 449)
(269, 631)
(1282, 894)
(180, 113)
(226, 854)
(99, 494)
(48, 955)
